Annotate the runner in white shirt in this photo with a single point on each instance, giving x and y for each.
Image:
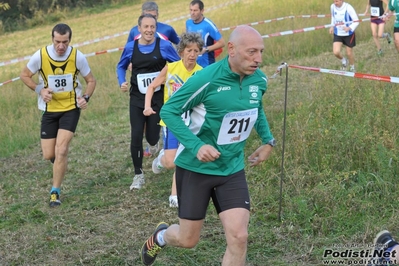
(344, 21)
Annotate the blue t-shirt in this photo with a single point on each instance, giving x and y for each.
(209, 33)
(164, 31)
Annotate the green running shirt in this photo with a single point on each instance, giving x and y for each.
(223, 113)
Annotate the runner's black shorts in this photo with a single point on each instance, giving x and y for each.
(53, 121)
(194, 190)
(349, 41)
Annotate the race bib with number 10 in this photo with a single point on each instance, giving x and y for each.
(144, 80)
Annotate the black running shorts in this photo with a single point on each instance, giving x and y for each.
(52, 121)
(194, 190)
(349, 41)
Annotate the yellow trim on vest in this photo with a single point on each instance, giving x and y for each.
(61, 101)
(177, 75)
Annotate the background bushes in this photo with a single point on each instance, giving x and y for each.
(24, 14)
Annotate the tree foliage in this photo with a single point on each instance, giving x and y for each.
(4, 6)
(21, 14)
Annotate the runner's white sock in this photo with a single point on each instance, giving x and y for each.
(160, 238)
(160, 155)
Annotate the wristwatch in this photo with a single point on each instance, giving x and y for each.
(206, 50)
(87, 97)
(272, 142)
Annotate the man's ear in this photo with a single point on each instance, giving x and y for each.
(230, 49)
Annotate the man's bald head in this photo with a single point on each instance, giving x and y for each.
(244, 32)
(245, 48)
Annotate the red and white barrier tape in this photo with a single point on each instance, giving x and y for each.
(282, 18)
(341, 73)
(250, 24)
(9, 81)
(288, 32)
(87, 55)
(276, 19)
(105, 51)
(21, 59)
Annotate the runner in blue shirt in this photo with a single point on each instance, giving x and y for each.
(164, 31)
(210, 34)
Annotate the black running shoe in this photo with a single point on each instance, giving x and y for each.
(54, 199)
(151, 248)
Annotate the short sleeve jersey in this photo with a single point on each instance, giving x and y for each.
(209, 33)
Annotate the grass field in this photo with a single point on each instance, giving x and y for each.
(341, 151)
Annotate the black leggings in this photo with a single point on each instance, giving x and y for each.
(152, 130)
